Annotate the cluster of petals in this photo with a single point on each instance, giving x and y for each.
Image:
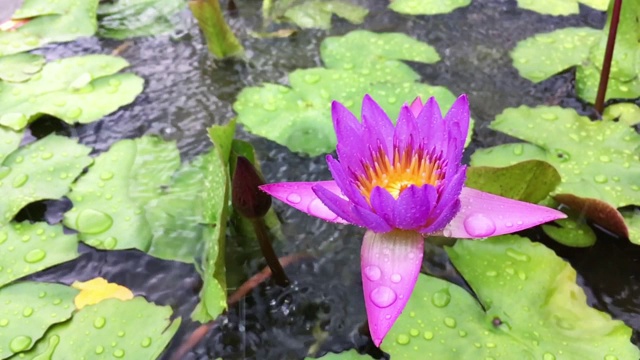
(403, 182)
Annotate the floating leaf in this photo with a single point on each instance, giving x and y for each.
(595, 159)
(543, 55)
(49, 21)
(550, 320)
(427, 7)
(597, 211)
(561, 7)
(31, 247)
(529, 181)
(213, 297)
(572, 231)
(133, 329)
(76, 89)
(346, 355)
(632, 219)
(220, 39)
(123, 19)
(625, 113)
(20, 67)
(109, 200)
(317, 13)
(9, 141)
(41, 170)
(98, 289)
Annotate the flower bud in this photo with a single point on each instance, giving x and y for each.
(246, 197)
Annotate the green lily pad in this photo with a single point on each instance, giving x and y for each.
(561, 7)
(28, 309)
(427, 7)
(346, 355)
(20, 67)
(49, 21)
(124, 19)
(595, 159)
(317, 13)
(76, 89)
(632, 219)
(132, 329)
(213, 296)
(41, 170)
(588, 80)
(572, 231)
(626, 113)
(529, 181)
(543, 55)
(549, 320)
(109, 200)
(32, 247)
(9, 141)
(363, 49)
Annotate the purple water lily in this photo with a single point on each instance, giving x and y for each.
(403, 183)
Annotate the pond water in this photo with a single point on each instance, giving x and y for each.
(186, 92)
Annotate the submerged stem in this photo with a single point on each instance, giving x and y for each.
(262, 233)
(608, 56)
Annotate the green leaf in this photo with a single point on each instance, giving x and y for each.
(543, 55)
(28, 309)
(317, 13)
(20, 67)
(109, 201)
(41, 170)
(561, 7)
(77, 89)
(427, 7)
(134, 329)
(572, 231)
(371, 51)
(220, 39)
(9, 141)
(529, 181)
(632, 219)
(595, 159)
(213, 297)
(32, 247)
(550, 319)
(51, 21)
(130, 18)
(588, 80)
(346, 355)
(626, 113)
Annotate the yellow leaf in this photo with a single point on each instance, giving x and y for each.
(98, 289)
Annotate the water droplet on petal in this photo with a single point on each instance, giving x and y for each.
(373, 273)
(383, 296)
(294, 198)
(478, 225)
(396, 278)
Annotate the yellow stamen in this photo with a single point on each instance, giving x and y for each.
(408, 167)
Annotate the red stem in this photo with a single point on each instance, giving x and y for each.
(608, 56)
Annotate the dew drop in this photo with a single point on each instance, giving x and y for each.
(20, 180)
(99, 349)
(28, 311)
(118, 353)
(403, 339)
(311, 78)
(92, 221)
(372, 273)
(490, 345)
(383, 296)
(110, 243)
(317, 208)
(396, 278)
(99, 322)
(610, 357)
(3, 237)
(600, 179)
(20, 343)
(34, 256)
(428, 335)
(462, 333)
(414, 332)
(146, 342)
(46, 155)
(491, 273)
(269, 106)
(4, 322)
(450, 322)
(478, 225)
(605, 158)
(515, 254)
(441, 298)
(107, 175)
(550, 116)
(4, 171)
(120, 333)
(294, 198)
(548, 356)
(74, 113)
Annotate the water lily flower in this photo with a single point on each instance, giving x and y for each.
(403, 183)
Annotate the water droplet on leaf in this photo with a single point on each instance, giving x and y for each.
(92, 221)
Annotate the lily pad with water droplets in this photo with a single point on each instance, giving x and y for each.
(427, 7)
(132, 329)
(544, 55)
(596, 159)
(632, 219)
(20, 67)
(130, 18)
(49, 21)
(27, 248)
(318, 13)
(77, 89)
(346, 355)
(9, 141)
(626, 113)
(561, 7)
(550, 319)
(28, 309)
(572, 231)
(41, 170)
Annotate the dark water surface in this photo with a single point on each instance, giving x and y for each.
(186, 92)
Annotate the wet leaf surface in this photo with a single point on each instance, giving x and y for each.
(123, 19)
(572, 231)
(79, 89)
(561, 7)
(317, 13)
(20, 67)
(28, 309)
(552, 321)
(347, 355)
(426, 7)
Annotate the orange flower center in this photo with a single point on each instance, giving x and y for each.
(408, 167)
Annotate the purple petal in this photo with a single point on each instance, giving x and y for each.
(459, 114)
(301, 196)
(416, 106)
(383, 204)
(482, 214)
(431, 125)
(351, 145)
(378, 128)
(370, 220)
(390, 264)
(407, 132)
(413, 206)
(452, 187)
(344, 183)
(335, 203)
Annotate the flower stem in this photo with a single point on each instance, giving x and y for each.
(262, 233)
(608, 56)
